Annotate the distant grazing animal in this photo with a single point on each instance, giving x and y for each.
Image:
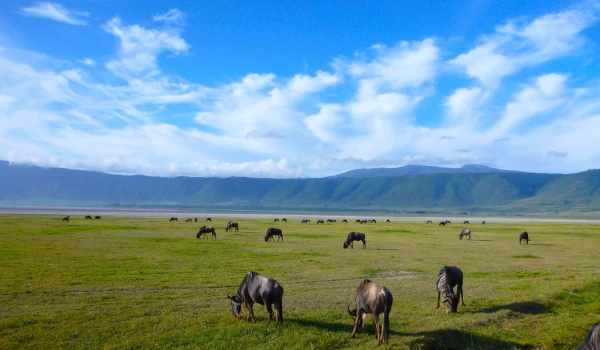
(188, 220)
(320, 222)
(97, 217)
(372, 221)
(208, 219)
(272, 231)
(88, 217)
(464, 232)
(524, 236)
(592, 342)
(305, 221)
(363, 221)
(345, 221)
(442, 223)
(375, 299)
(173, 219)
(195, 219)
(231, 225)
(331, 221)
(275, 220)
(429, 222)
(358, 221)
(355, 236)
(205, 230)
(387, 221)
(66, 218)
(449, 277)
(259, 289)
(466, 222)
(447, 222)
(284, 220)
(483, 222)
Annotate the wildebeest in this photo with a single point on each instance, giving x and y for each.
(524, 236)
(449, 277)
(447, 222)
(259, 289)
(442, 223)
(88, 217)
(357, 221)
(331, 221)
(466, 222)
(231, 225)
(208, 219)
(173, 219)
(272, 231)
(375, 299)
(284, 220)
(429, 222)
(195, 219)
(372, 221)
(345, 221)
(483, 222)
(387, 221)
(355, 236)
(464, 232)
(188, 220)
(320, 222)
(97, 217)
(592, 342)
(275, 220)
(66, 218)
(205, 230)
(305, 221)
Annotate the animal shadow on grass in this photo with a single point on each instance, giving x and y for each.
(455, 339)
(524, 307)
(329, 326)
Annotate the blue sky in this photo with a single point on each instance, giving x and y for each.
(307, 89)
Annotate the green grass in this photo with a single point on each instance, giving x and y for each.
(146, 283)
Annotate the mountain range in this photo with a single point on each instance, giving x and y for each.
(410, 189)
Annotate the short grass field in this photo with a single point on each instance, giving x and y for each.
(122, 283)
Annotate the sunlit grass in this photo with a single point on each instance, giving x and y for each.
(130, 283)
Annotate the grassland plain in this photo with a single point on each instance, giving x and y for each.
(149, 283)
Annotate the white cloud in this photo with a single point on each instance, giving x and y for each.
(87, 61)
(56, 12)
(171, 16)
(462, 105)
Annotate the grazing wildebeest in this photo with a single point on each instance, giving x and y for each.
(188, 220)
(195, 219)
(231, 225)
(205, 230)
(259, 289)
(363, 221)
(284, 220)
(345, 221)
(372, 221)
(375, 299)
(387, 221)
(464, 232)
(442, 223)
(355, 236)
(275, 220)
(524, 236)
(66, 218)
(466, 222)
(305, 221)
(483, 222)
(592, 342)
(88, 217)
(447, 222)
(358, 221)
(449, 277)
(173, 219)
(97, 217)
(208, 219)
(331, 221)
(320, 222)
(272, 231)
(429, 222)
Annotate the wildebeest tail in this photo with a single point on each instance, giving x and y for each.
(279, 306)
(386, 318)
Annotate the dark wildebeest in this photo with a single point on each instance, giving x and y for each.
(272, 231)
(466, 222)
(305, 221)
(483, 222)
(173, 219)
(442, 223)
(363, 221)
(375, 299)
(447, 222)
(464, 232)
(592, 342)
(208, 219)
(284, 220)
(358, 221)
(524, 236)
(195, 219)
(429, 222)
(355, 236)
(259, 289)
(231, 225)
(330, 221)
(449, 277)
(372, 221)
(345, 221)
(188, 220)
(275, 220)
(66, 218)
(88, 217)
(387, 221)
(320, 222)
(205, 230)
(97, 217)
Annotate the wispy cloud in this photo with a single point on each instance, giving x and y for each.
(172, 16)
(56, 12)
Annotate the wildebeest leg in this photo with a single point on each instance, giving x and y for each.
(438, 301)
(364, 244)
(352, 244)
(251, 312)
(377, 328)
(359, 316)
(270, 311)
(460, 291)
(279, 318)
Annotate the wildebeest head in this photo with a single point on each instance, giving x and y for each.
(451, 302)
(361, 323)
(236, 305)
(346, 244)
